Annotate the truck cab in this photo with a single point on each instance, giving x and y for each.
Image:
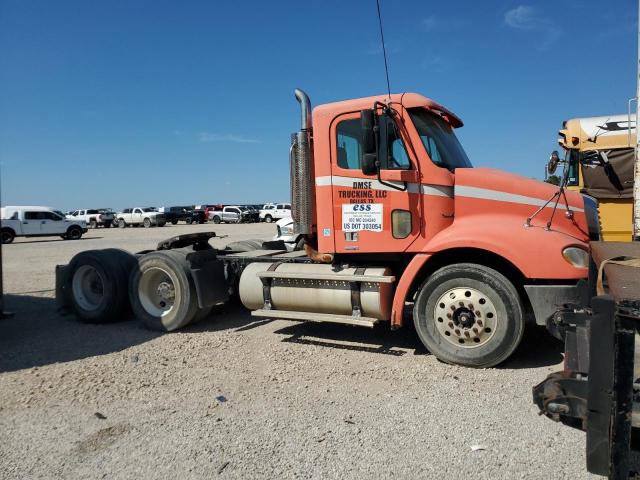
(599, 157)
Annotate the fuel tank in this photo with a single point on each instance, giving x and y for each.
(318, 288)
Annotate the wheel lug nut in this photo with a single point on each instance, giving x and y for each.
(461, 304)
(471, 306)
(478, 314)
(466, 334)
(479, 322)
(449, 315)
(453, 307)
(450, 324)
(475, 330)
(457, 332)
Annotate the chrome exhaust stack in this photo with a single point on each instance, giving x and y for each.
(301, 165)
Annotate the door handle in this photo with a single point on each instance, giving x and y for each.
(43, 221)
(26, 223)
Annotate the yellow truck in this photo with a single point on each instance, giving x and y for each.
(600, 160)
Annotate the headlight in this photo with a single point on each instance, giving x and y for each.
(287, 230)
(576, 257)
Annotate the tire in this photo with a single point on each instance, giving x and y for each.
(121, 223)
(216, 219)
(93, 223)
(189, 221)
(8, 235)
(147, 223)
(107, 224)
(74, 233)
(481, 333)
(162, 224)
(174, 222)
(268, 218)
(245, 245)
(162, 292)
(97, 284)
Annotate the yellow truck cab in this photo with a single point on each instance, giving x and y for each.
(600, 158)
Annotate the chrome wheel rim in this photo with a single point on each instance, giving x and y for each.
(157, 291)
(465, 317)
(87, 287)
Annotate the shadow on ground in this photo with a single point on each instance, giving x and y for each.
(37, 335)
(49, 240)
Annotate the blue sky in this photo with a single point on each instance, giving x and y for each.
(135, 102)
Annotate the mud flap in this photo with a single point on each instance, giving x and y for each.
(63, 295)
(209, 278)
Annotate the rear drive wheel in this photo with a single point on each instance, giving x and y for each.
(147, 223)
(268, 218)
(470, 315)
(97, 284)
(74, 233)
(121, 223)
(93, 223)
(216, 219)
(174, 222)
(162, 291)
(8, 235)
(188, 220)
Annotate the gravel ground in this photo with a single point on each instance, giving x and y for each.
(236, 397)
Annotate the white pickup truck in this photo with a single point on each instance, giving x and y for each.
(274, 211)
(30, 221)
(94, 217)
(146, 216)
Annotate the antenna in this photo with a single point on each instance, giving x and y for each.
(384, 50)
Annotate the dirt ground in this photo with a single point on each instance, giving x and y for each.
(239, 397)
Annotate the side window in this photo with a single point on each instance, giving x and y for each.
(137, 210)
(51, 216)
(31, 215)
(287, 206)
(397, 157)
(280, 206)
(348, 144)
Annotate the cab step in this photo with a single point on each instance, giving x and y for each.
(317, 317)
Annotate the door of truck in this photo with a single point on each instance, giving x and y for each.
(53, 224)
(371, 215)
(136, 216)
(30, 223)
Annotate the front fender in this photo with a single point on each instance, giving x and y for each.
(536, 252)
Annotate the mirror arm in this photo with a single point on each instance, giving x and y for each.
(376, 132)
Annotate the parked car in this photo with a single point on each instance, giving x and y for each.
(94, 217)
(252, 213)
(275, 211)
(285, 233)
(232, 214)
(146, 216)
(188, 215)
(32, 221)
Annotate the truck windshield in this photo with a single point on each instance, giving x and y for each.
(438, 139)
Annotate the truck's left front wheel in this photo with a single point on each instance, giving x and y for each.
(470, 315)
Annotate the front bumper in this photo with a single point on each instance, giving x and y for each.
(545, 300)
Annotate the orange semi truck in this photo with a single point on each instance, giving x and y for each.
(393, 215)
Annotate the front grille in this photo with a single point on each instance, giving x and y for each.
(593, 218)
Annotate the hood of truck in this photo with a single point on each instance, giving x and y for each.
(486, 190)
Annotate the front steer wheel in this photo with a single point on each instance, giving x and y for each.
(96, 284)
(162, 291)
(470, 315)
